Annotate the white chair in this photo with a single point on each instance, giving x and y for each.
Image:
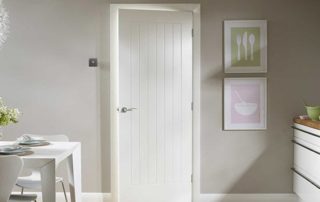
(10, 168)
(33, 181)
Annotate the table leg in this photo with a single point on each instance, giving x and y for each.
(74, 170)
(48, 182)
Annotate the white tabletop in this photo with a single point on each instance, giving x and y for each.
(57, 151)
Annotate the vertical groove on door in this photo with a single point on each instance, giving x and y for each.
(131, 102)
(169, 100)
(143, 103)
(186, 103)
(156, 106)
(160, 104)
(139, 104)
(135, 86)
(181, 123)
(177, 102)
(152, 118)
(164, 106)
(172, 135)
(147, 135)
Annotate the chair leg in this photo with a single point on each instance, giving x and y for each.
(22, 189)
(64, 191)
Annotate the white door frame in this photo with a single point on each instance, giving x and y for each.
(114, 88)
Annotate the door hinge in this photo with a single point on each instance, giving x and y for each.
(191, 178)
(192, 32)
(191, 106)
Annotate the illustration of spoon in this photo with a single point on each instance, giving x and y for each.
(240, 98)
(239, 43)
(245, 45)
(252, 39)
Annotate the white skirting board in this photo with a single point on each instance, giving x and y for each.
(106, 197)
(249, 198)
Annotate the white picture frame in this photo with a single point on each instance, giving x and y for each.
(245, 46)
(245, 103)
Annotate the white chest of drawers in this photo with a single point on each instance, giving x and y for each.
(306, 167)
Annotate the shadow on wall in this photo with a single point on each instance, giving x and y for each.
(275, 160)
(259, 173)
(266, 153)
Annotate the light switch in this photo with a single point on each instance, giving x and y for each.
(93, 62)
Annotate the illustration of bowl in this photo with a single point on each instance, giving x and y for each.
(246, 109)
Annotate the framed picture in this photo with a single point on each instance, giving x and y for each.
(245, 46)
(245, 104)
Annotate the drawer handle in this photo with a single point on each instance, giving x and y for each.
(306, 178)
(305, 131)
(301, 145)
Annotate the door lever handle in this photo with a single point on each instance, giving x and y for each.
(125, 109)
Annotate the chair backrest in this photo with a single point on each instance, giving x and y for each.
(10, 167)
(53, 138)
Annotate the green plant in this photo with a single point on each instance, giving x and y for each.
(8, 115)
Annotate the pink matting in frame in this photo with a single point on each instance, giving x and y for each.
(245, 103)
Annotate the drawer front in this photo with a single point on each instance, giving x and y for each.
(307, 162)
(308, 139)
(304, 189)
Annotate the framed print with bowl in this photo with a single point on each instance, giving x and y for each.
(245, 103)
(245, 46)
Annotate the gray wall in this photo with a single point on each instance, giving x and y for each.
(44, 72)
(258, 162)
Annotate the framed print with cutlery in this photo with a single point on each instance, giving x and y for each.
(245, 46)
(245, 103)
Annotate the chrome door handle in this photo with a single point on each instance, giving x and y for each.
(125, 109)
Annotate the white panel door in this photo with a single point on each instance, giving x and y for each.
(155, 78)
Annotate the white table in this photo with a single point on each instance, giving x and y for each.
(46, 158)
